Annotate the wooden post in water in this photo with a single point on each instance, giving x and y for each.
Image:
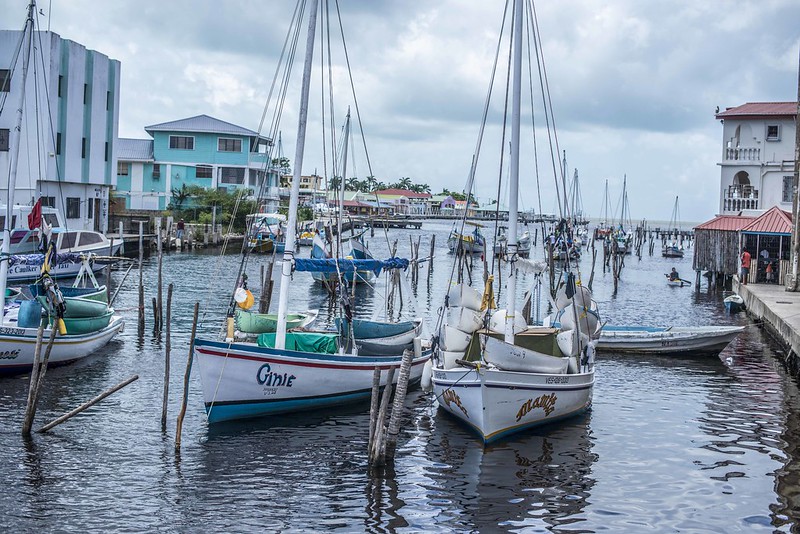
(377, 442)
(393, 430)
(30, 409)
(108, 269)
(186, 377)
(159, 312)
(155, 316)
(430, 260)
(141, 286)
(89, 404)
(373, 405)
(166, 361)
(591, 276)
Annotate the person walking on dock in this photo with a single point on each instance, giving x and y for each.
(180, 226)
(745, 266)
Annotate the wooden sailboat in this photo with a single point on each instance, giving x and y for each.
(300, 371)
(508, 386)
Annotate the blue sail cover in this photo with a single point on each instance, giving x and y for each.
(38, 259)
(328, 265)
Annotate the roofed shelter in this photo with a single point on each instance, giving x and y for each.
(716, 247)
(768, 238)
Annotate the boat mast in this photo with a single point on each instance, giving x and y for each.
(513, 193)
(340, 253)
(288, 254)
(16, 135)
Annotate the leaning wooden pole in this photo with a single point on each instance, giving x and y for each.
(167, 349)
(141, 286)
(34, 381)
(89, 404)
(377, 442)
(186, 376)
(397, 408)
(373, 405)
(160, 311)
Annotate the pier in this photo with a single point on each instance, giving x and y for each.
(780, 312)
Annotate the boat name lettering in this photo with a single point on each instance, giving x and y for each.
(450, 396)
(557, 380)
(545, 402)
(265, 377)
(12, 331)
(439, 375)
(667, 342)
(9, 354)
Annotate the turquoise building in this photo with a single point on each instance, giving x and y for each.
(201, 151)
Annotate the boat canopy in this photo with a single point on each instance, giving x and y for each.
(346, 265)
(38, 259)
(316, 342)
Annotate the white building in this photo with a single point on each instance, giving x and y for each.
(67, 152)
(757, 157)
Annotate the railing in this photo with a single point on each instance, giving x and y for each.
(740, 197)
(743, 154)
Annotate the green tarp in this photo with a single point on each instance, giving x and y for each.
(303, 341)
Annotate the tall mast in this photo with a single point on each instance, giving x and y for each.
(340, 253)
(15, 138)
(288, 254)
(511, 301)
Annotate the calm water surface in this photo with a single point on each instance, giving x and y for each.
(671, 444)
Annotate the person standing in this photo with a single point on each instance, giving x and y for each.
(179, 227)
(745, 266)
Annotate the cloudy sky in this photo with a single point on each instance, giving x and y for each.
(634, 83)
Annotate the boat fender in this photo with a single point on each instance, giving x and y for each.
(427, 371)
(244, 298)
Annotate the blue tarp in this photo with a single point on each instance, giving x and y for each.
(314, 265)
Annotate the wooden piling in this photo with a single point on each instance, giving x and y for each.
(141, 286)
(108, 268)
(155, 316)
(160, 307)
(89, 404)
(166, 361)
(373, 405)
(186, 376)
(377, 442)
(387, 452)
(30, 406)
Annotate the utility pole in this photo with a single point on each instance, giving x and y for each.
(794, 285)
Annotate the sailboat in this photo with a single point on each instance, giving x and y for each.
(293, 371)
(82, 332)
(533, 375)
(671, 248)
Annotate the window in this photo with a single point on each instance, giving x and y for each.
(89, 238)
(85, 94)
(69, 240)
(232, 175)
(73, 208)
(156, 171)
(58, 143)
(51, 219)
(60, 84)
(203, 171)
(181, 142)
(106, 150)
(89, 213)
(4, 135)
(788, 186)
(5, 81)
(108, 100)
(123, 167)
(225, 144)
(773, 132)
(49, 202)
(83, 147)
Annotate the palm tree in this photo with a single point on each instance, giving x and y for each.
(335, 183)
(405, 183)
(352, 184)
(371, 184)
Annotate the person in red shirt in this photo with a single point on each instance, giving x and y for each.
(745, 265)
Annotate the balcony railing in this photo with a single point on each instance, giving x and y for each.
(743, 154)
(740, 197)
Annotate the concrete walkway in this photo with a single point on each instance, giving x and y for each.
(778, 308)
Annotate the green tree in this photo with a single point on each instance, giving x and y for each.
(352, 184)
(405, 183)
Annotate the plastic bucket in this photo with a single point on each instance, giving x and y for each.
(30, 313)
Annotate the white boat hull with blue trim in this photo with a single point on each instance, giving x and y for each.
(496, 403)
(243, 380)
(670, 340)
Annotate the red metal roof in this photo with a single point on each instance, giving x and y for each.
(773, 221)
(729, 223)
(405, 192)
(761, 109)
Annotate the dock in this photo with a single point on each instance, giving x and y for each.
(395, 223)
(780, 312)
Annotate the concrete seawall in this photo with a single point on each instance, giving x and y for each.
(780, 312)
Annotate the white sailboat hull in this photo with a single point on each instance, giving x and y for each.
(18, 345)
(497, 403)
(243, 380)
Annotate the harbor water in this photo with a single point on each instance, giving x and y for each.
(700, 444)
